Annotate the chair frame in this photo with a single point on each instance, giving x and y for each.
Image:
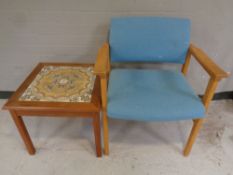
(102, 69)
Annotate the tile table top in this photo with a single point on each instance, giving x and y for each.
(61, 84)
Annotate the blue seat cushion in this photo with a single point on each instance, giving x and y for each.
(151, 39)
(151, 95)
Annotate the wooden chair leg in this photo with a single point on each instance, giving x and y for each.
(105, 129)
(96, 126)
(195, 129)
(23, 132)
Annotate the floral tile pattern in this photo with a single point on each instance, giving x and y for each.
(61, 84)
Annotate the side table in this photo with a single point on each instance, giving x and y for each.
(57, 90)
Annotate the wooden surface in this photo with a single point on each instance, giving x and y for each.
(55, 109)
(102, 65)
(97, 134)
(102, 69)
(105, 117)
(216, 74)
(185, 66)
(23, 132)
(193, 135)
(209, 93)
(14, 103)
(213, 69)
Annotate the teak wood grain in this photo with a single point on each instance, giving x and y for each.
(14, 103)
(207, 63)
(187, 62)
(102, 69)
(54, 109)
(216, 74)
(105, 117)
(102, 65)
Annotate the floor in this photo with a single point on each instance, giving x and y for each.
(65, 146)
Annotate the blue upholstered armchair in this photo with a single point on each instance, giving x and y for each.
(152, 95)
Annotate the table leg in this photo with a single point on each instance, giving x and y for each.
(96, 126)
(23, 132)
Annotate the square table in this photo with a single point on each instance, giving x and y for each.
(57, 90)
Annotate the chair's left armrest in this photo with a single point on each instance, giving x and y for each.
(102, 65)
(101, 69)
(212, 69)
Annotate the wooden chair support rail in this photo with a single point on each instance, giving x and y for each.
(216, 74)
(102, 65)
(209, 92)
(187, 62)
(212, 69)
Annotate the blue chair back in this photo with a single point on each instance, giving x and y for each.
(149, 39)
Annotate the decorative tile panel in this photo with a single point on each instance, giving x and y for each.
(61, 84)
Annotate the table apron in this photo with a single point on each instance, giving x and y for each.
(49, 113)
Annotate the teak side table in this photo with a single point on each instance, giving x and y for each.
(57, 90)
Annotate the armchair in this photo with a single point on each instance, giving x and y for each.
(152, 95)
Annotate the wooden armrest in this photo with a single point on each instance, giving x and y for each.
(102, 65)
(213, 69)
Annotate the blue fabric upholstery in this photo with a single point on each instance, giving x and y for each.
(151, 95)
(150, 39)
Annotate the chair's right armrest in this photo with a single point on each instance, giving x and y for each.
(102, 65)
(215, 72)
(212, 69)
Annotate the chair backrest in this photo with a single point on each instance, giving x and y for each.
(149, 39)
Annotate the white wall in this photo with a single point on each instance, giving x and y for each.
(72, 30)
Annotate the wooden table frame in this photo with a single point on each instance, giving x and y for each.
(18, 108)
